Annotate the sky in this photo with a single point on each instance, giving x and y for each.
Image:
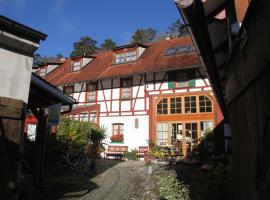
(66, 21)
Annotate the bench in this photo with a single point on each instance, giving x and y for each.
(116, 151)
(143, 150)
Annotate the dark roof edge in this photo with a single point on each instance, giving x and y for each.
(35, 79)
(129, 46)
(9, 23)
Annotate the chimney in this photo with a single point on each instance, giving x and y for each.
(168, 37)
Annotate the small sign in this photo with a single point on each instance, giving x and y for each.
(54, 114)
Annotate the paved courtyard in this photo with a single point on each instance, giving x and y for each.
(114, 180)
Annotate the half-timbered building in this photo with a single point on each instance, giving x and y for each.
(142, 92)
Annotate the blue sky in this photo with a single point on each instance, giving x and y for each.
(65, 21)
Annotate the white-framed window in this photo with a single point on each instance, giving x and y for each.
(117, 129)
(126, 84)
(124, 57)
(93, 117)
(91, 91)
(120, 58)
(162, 134)
(76, 66)
(131, 56)
(84, 117)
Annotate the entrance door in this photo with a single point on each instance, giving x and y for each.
(177, 136)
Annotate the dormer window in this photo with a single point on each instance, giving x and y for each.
(76, 66)
(124, 57)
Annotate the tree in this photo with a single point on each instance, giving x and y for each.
(108, 44)
(85, 46)
(177, 29)
(37, 59)
(59, 55)
(144, 35)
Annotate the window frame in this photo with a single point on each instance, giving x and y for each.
(90, 113)
(124, 89)
(182, 105)
(78, 67)
(124, 58)
(119, 129)
(69, 87)
(93, 93)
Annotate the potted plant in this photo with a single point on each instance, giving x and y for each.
(148, 164)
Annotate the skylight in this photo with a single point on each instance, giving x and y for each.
(179, 50)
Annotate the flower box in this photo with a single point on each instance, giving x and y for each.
(117, 138)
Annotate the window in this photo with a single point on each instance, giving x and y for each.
(75, 117)
(176, 105)
(68, 89)
(190, 104)
(120, 58)
(205, 104)
(91, 91)
(84, 117)
(126, 88)
(162, 133)
(205, 126)
(179, 50)
(125, 57)
(162, 106)
(76, 66)
(136, 123)
(131, 56)
(118, 129)
(93, 117)
(191, 136)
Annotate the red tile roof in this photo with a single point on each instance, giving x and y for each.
(152, 60)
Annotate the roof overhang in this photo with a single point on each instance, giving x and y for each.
(19, 38)
(44, 94)
(211, 37)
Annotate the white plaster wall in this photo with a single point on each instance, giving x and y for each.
(125, 105)
(86, 61)
(116, 93)
(115, 105)
(199, 83)
(139, 104)
(100, 95)
(107, 94)
(50, 68)
(141, 50)
(103, 107)
(133, 138)
(82, 97)
(15, 75)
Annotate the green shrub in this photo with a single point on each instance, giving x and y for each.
(131, 155)
(172, 189)
(73, 133)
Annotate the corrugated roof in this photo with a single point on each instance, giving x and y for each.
(152, 60)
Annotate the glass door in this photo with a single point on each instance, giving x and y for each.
(177, 136)
(191, 136)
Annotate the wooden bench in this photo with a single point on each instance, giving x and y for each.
(116, 151)
(142, 151)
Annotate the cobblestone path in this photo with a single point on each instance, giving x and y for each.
(121, 181)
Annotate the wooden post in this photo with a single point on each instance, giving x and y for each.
(40, 147)
(12, 114)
